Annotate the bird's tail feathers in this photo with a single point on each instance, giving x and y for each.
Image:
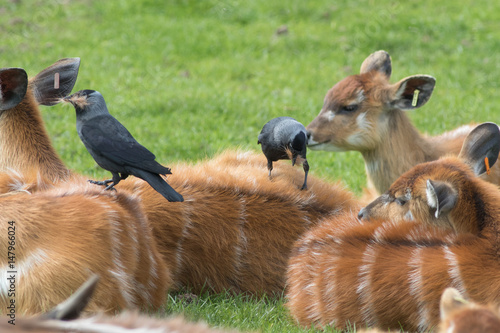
(155, 167)
(160, 185)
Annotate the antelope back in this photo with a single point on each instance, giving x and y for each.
(358, 111)
(386, 274)
(446, 192)
(235, 229)
(61, 236)
(25, 145)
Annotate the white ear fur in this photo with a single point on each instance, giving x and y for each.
(451, 300)
(432, 199)
(441, 196)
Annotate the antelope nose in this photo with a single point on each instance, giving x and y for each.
(362, 213)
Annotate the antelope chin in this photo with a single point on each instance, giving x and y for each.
(325, 146)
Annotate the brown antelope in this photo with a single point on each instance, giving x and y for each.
(52, 240)
(236, 229)
(400, 204)
(64, 318)
(390, 274)
(25, 145)
(367, 113)
(461, 316)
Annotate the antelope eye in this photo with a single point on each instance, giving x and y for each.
(350, 108)
(401, 201)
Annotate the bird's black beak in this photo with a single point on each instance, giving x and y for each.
(294, 159)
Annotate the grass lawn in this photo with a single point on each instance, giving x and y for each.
(192, 78)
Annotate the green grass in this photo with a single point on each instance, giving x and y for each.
(192, 78)
(243, 312)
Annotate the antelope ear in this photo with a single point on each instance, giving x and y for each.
(413, 92)
(451, 300)
(440, 196)
(55, 81)
(483, 141)
(74, 305)
(13, 86)
(379, 61)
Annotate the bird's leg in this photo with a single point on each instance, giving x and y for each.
(270, 167)
(101, 182)
(305, 165)
(116, 180)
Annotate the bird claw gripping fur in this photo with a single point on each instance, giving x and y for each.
(104, 183)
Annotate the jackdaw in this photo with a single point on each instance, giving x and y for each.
(284, 138)
(113, 147)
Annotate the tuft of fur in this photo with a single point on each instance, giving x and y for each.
(298, 161)
(77, 100)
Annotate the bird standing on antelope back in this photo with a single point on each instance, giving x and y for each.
(113, 147)
(284, 138)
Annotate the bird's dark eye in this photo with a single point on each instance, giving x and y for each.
(401, 201)
(350, 108)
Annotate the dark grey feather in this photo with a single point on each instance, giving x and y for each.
(282, 134)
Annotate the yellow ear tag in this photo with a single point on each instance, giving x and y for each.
(487, 163)
(415, 97)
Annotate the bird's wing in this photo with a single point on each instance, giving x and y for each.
(109, 137)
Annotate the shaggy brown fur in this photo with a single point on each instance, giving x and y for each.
(235, 228)
(390, 274)
(65, 234)
(379, 128)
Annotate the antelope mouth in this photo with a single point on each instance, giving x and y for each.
(312, 143)
(319, 145)
(325, 146)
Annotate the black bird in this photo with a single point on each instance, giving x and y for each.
(284, 138)
(113, 147)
